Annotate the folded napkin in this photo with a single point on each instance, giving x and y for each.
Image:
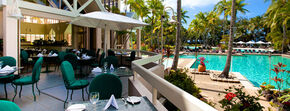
(40, 55)
(111, 68)
(55, 54)
(50, 54)
(112, 102)
(97, 69)
(76, 107)
(7, 68)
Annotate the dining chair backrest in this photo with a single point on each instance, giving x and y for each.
(111, 53)
(106, 85)
(97, 54)
(37, 69)
(72, 58)
(91, 53)
(61, 56)
(133, 55)
(112, 60)
(8, 60)
(24, 56)
(67, 73)
(102, 58)
(8, 106)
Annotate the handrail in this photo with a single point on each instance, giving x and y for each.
(181, 99)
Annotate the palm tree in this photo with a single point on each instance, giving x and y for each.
(178, 36)
(220, 8)
(139, 7)
(226, 70)
(277, 18)
(184, 16)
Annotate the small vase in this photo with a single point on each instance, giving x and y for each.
(201, 68)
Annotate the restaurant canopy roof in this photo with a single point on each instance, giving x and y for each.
(107, 20)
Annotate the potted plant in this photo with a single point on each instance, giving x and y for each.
(201, 66)
(278, 98)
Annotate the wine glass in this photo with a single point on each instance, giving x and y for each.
(94, 98)
(105, 66)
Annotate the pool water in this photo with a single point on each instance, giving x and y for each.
(254, 67)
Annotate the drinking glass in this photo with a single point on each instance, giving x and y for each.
(105, 66)
(94, 98)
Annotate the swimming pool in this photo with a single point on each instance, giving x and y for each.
(254, 67)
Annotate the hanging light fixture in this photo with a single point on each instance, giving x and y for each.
(15, 11)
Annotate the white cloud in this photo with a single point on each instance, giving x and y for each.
(190, 3)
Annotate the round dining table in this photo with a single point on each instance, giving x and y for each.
(7, 77)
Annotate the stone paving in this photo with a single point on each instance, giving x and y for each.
(52, 92)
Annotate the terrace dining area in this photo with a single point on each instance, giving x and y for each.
(66, 58)
(52, 87)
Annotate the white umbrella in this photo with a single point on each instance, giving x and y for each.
(107, 20)
(268, 43)
(260, 42)
(240, 42)
(250, 42)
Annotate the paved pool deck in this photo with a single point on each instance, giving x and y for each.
(214, 90)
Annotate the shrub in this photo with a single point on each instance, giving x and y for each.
(240, 101)
(180, 79)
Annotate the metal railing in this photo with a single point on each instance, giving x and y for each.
(181, 99)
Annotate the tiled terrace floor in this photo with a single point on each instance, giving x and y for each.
(52, 93)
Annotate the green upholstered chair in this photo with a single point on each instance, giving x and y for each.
(96, 62)
(102, 60)
(73, 59)
(106, 85)
(25, 60)
(91, 53)
(97, 54)
(27, 80)
(10, 61)
(7, 60)
(112, 60)
(69, 80)
(8, 106)
(132, 56)
(111, 53)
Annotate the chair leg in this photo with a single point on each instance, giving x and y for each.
(20, 91)
(67, 93)
(15, 91)
(33, 92)
(72, 91)
(83, 94)
(87, 92)
(5, 91)
(37, 88)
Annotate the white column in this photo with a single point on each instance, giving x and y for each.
(88, 38)
(98, 38)
(10, 33)
(107, 39)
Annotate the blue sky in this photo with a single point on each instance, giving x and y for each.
(255, 7)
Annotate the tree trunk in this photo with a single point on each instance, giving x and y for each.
(226, 70)
(178, 35)
(284, 36)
